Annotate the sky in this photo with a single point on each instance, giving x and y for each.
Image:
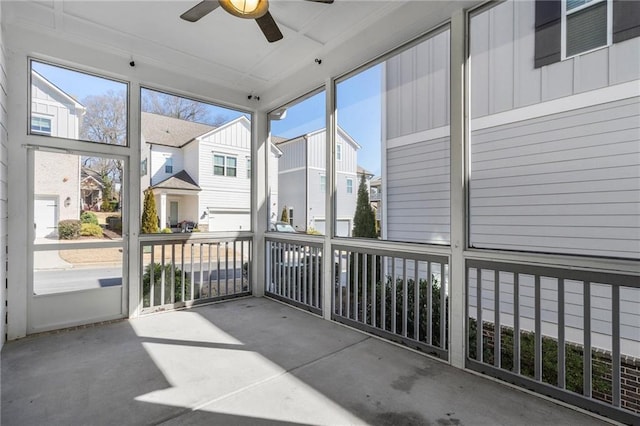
(359, 114)
(358, 101)
(80, 85)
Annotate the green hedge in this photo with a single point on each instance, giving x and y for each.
(89, 217)
(69, 229)
(574, 355)
(91, 230)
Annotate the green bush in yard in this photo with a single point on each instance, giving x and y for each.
(69, 229)
(157, 280)
(89, 217)
(90, 230)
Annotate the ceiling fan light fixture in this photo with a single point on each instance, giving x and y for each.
(248, 9)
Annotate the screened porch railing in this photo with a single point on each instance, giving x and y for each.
(567, 333)
(183, 271)
(400, 295)
(294, 272)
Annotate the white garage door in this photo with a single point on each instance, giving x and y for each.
(343, 227)
(229, 221)
(45, 216)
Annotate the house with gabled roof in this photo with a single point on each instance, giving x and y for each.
(303, 161)
(199, 173)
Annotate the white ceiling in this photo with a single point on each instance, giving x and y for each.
(232, 52)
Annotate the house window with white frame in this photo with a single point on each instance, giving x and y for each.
(323, 183)
(248, 167)
(168, 165)
(225, 165)
(339, 152)
(40, 126)
(586, 26)
(349, 186)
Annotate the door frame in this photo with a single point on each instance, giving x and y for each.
(62, 306)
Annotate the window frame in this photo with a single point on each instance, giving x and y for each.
(563, 26)
(323, 184)
(77, 69)
(40, 132)
(225, 165)
(168, 165)
(349, 185)
(338, 152)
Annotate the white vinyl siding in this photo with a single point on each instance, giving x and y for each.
(418, 192)
(46, 103)
(158, 161)
(565, 183)
(502, 73)
(220, 193)
(417, 87)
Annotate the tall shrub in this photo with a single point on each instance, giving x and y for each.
(149, 214)
(364, 220)
(284, 217)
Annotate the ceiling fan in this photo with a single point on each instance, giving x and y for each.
(247, 9)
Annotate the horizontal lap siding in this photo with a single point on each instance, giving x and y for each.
(418, 192)
(567, 183)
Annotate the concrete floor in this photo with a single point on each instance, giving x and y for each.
(250, 361)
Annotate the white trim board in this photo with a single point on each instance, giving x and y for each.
(618, 92)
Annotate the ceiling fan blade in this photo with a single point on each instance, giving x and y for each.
(200, 10)
(269, 27)
(322, 1)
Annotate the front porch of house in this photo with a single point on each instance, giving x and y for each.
(248, 361)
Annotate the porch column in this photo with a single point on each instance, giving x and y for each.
(163, 210)
(329, 208)
(260, 154)
(457, 272)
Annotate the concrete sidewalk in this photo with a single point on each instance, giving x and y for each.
(249, 361)
(49, 260)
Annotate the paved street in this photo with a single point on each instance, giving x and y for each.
(62, 280)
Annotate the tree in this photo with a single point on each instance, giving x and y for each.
(364, 220)
(179, 107)
(149, 214)
(284, 217)
(106, 122)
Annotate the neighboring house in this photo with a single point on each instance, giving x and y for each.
(91, 188)
(554, 148)
(199, 173)
(303, 180)
(57, 175)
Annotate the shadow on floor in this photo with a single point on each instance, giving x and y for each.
(248, 361)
